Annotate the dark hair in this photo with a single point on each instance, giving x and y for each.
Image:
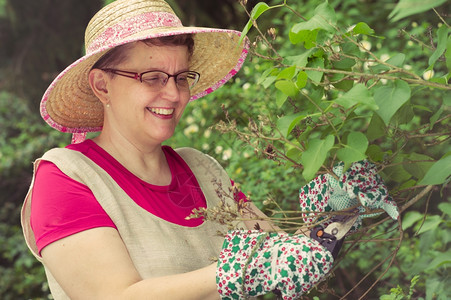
(119, 54)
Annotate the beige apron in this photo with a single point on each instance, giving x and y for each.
(156, 247)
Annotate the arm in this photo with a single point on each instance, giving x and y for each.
(94, 264)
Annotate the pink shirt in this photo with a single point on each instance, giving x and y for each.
(61, 206)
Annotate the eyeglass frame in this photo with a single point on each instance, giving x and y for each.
(138, 76)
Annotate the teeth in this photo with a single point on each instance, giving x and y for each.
(162, 111)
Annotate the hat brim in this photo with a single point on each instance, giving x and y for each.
(69, 105)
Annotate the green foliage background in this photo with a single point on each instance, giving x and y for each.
(307, 90)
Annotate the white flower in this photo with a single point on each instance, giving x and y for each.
(246, 86)
(365, 45)
(384, 57)
(227, 154)
(207, 133)
(428, 74)
(205, 146)
(218, 149)
(407, 67)
(193, 128)
(190, 119)
(368, 64)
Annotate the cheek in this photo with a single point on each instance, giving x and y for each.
(183, 106)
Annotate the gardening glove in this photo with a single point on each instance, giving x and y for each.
(254, 263)
(359, 185)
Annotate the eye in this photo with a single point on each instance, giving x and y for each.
(182, 78)
(154, 78)
(187, 79)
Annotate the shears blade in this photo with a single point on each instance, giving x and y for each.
(341, 227)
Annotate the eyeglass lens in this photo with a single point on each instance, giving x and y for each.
(157, 79)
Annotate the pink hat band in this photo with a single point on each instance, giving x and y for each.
(128, 27)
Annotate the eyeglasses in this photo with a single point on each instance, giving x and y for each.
(156, 80)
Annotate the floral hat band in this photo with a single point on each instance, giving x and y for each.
(134, 25)
(69, 105)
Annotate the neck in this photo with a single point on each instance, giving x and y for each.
(147, 162)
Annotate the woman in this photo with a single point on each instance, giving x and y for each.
(107, 216)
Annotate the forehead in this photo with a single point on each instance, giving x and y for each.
(143, 53)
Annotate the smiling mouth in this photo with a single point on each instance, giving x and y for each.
(161, 111)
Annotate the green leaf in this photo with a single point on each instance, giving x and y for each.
(431, 222)
(2, 8)
(404, 115)
(375, 153)
(287, 73)
(448, 55)
(308, 37)
(435, 117)
(316, 76)
(301, 80)
(362, 28)
(294, 154)
(300, 60)
(438, 173)
(390, 98)
(355, 149)
(344, 63)
(406, 8)
(267, 82)
(410, 218)
(445, 207)
(268, 75)
(280, 98)
(287, 87)
(287, 123)
(245, 30)
(417, 164)
(315, 155)
(324, 18)
(359, 94)
(258, 9)
(397, 60)
(376, 129)
(396, 172)
(442, 38)
(440, 260)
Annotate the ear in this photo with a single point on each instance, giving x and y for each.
(98, 80)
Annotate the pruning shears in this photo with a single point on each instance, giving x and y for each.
(332, 236)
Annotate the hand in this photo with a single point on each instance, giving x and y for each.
(254, 263)
(360, 186)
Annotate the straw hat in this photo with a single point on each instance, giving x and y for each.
(69, 105)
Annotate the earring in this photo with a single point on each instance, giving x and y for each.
(108, 105)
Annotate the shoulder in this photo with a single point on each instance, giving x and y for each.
(72, 163)
(202, 164)
(194, 156)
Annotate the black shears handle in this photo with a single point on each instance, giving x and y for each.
(328, 241)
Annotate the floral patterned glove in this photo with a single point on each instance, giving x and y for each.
(360, 184)
(254, 263)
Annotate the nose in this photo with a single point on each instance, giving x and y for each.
(170, 90)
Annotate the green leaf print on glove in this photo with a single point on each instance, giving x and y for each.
(360, 184)
(254, 263)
